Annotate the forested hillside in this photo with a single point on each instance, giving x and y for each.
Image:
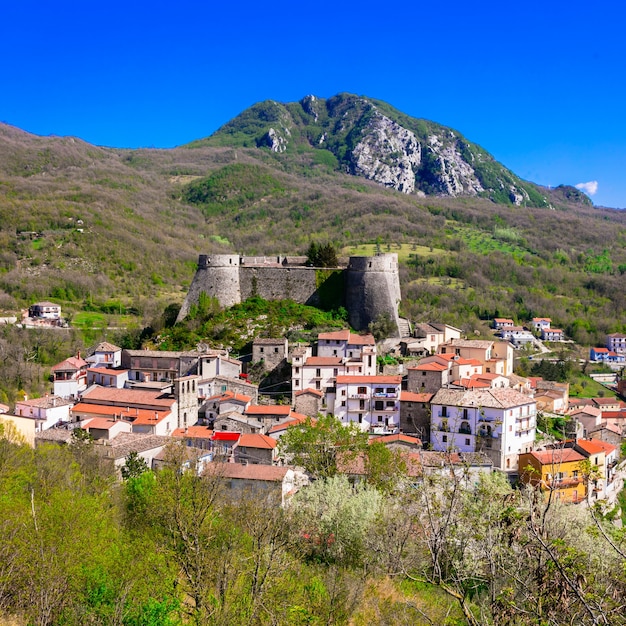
(79, 548)
(117, 233)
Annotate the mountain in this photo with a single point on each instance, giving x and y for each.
(113, 230)
(371, 139)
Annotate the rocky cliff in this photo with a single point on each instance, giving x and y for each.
(373, 140)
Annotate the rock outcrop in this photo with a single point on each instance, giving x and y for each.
(372, 140)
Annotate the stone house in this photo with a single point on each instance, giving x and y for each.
(271, 352)
(309, 401)
(255, 449)
(415, 414)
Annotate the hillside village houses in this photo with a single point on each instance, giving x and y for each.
(457, 396)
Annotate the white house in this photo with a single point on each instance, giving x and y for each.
(47, 411)
(616, 342)
(372, 402)
(105, 354)
(70, 377)
(499, 422)
(541, 323)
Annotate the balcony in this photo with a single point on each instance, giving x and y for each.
(358, 396)
(384, 395)
(465, 431)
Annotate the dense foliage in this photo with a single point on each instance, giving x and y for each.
(79, 547)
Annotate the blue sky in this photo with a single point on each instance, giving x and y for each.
(540, 85)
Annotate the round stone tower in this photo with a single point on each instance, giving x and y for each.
(217, 276)
(372, 289)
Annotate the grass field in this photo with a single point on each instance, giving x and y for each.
(403, 250)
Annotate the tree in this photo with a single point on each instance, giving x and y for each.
(322, 255)
(334, 518)
(134, 466)
(317, 444)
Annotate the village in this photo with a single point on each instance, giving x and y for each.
(450, 402)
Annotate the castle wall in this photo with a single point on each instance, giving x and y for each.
(218, 277)
(370, 286)
(279, 283)
(372, 289)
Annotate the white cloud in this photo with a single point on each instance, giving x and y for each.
(591, 187)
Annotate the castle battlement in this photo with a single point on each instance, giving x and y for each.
(369, 285)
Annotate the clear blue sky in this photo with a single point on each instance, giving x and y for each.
(540, 85)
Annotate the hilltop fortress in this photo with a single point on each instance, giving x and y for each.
(368, 286)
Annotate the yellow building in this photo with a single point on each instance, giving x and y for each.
(558, 471)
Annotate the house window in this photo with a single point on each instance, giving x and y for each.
(444, 438)
(317, 384)
(391, 390)
(335, 372)
(361, 390)
(360, 418)
(297, 383)
(318, 372)
(423, 374)
(275, 350)
(297, 370)
(261, 350)
(378, 405)
(465, 414)
(343, 392)
(467, 442)
(343, 403)
(444, 411)
(390, 404)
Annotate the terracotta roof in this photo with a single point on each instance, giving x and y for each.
(230, 396)
(399, 438)
(128, 397)
(268, 409)
(135, 415)
(601, 350)
(431, 367)
(503, 319)
(323, 360)
(315, 392)
(595, 446)
(295, 419)
(472, 383)
(266, 473)
(606, 401)
(361, 340)
(385, 380)
(469, 343)
(107, 370)
(541, 319)
(194, 432)
(72, 364)
(337, 335)
(556, 456)
(256, 441)
(409, 396)
(101, 423)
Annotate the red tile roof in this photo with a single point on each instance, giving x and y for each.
(595, 446)
(409, 396)
(137, 416)
(268, 409)
(128, 397)
(323, 360)
(556, 456)
(72, 364)
(256, 440)
(266, 473)
(194, 432)
(315, 392)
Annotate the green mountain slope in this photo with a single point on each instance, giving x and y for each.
(370, 138)
(114, 229)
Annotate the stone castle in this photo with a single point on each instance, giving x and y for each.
(368, 286)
